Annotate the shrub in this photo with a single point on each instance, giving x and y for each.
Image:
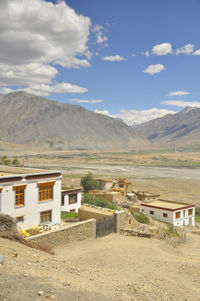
(65, 214)
(88, 182)
(140, 217)
(98, 201)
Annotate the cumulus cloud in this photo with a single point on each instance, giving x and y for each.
(197, 52)
(85, 100)
(178, 93)
(36, 36)
(100, 37)
(131, 117)
(162, 49)
(187, 49)
(113, 58)
(146, 53)
(181, 103)
(153, 69)
(44, 90)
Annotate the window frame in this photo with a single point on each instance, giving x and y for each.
(19, 195)
(190, 211)
(71, 202)
(45, 191)
(151, 212)
(165, 215)
(178, 214)
(45, 213)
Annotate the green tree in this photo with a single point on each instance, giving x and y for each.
(7, 162)
(88, 182)
(98, 201)
(15, 162)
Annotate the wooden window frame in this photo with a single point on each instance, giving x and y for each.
(45, 213)
(19, 195)
(151, 212)
(178, 214)
(165, 215)
(71, 202)
(190, 212)
(45, 191)
(20, 219)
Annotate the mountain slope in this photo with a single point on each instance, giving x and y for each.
(29, 119)
(178, 129)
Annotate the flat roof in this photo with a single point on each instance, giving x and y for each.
(167, 205)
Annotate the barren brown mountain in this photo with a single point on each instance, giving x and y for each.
(182, 128)
(33, 120)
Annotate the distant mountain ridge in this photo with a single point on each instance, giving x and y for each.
(182, 128)
(33, 120)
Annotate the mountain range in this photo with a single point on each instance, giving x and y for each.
(31, 120)
(180, 129)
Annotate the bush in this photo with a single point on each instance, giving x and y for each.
(98, 201)
(88, 182)
(65, 214)
(15, 162)
(140, 217)
(197, 214)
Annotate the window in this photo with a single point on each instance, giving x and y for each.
(190, 211)
(62, 200)
(183, 213)
(19, 195)
(20, 219)
(165, 214)
(178, 214)
(151, 212)
(142, 210)
(45, 216)
(72, 199)
(46, 191)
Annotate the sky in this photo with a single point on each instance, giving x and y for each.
(132, 59)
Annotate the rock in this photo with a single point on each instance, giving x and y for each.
(1, 259)
(40, 293)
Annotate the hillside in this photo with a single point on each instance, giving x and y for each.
(33, 120)
(180, 129)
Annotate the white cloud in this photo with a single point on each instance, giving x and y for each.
(113, 58)
(146, 53)
(162, 49)
(187, 49)
(100, 37)
(85, 100)
(178, 93)
(181, 103)
(44, 34)
(153, 69)
(134, 54)
(197, 52)
(131, 117)
(45, 90)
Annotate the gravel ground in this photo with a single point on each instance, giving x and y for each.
(114, 267)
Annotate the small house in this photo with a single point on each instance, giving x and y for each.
(177, 214)
(71, 200)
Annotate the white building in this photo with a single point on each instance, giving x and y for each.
(71, 200)
(176, 214)
(33, 198)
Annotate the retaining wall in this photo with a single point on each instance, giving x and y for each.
(80, 231)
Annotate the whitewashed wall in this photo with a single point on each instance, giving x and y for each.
(67, 207)
(32, 206)
(171, 216)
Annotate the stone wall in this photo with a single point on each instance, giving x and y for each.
(77, 232)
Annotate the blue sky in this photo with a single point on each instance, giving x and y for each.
(133, 59)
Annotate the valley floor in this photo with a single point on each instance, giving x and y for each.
(114, 267)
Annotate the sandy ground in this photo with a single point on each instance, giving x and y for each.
(114, 267)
